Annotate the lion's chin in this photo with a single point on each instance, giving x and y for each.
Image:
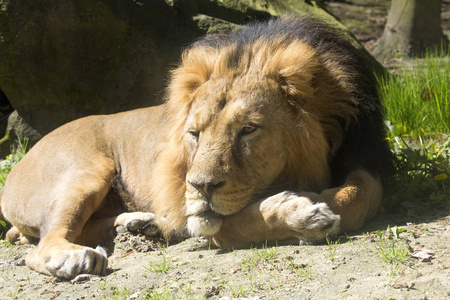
(207, 223)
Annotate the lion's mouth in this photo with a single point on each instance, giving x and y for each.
(210, 214)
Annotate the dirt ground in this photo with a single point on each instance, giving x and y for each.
(351, 268)
(405, 255)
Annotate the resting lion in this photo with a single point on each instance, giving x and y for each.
(273, 133)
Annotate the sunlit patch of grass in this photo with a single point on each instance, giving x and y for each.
(417, 103)
(417, 98)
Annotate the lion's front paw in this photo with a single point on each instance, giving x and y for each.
(69, 263)
(311, 222)
(137, 222)
(319, 222)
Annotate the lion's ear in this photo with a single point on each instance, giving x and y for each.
(294, 67)
(195, 69)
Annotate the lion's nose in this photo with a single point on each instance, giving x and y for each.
(206, 188)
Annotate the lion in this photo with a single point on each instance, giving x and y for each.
(271, 133)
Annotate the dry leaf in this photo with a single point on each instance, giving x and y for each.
(423, 255)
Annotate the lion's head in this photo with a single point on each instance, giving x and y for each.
(252, 116)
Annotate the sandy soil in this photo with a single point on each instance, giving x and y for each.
(351, 268)
(417, 239)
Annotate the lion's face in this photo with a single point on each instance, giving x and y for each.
(235, 140)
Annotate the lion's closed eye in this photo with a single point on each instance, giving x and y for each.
(249, 128)
(194, 133)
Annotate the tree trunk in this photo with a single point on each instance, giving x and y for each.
(412, 27)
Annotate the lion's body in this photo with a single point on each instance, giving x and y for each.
(263, 132)
(123, 162)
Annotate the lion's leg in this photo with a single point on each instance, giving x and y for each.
(285, 217)
(356, 201)
(57, 254)
(304, 217)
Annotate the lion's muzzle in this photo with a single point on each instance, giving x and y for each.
(206, 188)
(202, 219)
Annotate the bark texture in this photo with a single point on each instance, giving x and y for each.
(412, 27)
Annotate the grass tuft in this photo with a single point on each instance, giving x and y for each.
(159, 267)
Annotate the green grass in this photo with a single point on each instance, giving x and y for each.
(302, 270)
(153, 294)
(417, 103)
(240, 290)
(10, 161)
(14, 293)
(6, 166)
(392, 251)
(422, 176)
(417, 98)
(159, 267)
(265, 254)
(120, 294)
(332, 247)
